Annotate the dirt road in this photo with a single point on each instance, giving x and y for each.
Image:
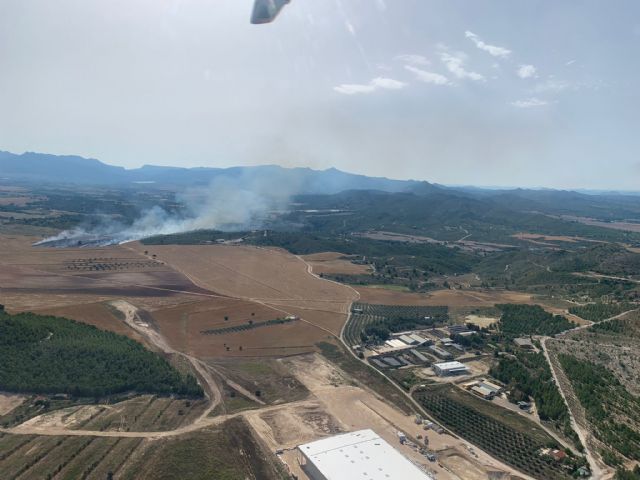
(197, 425)
(132, 318)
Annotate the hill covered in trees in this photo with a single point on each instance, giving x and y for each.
(45, 354)
(531, 320)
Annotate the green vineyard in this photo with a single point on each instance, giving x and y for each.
(390, 318)
(357, 324)
(516, 447)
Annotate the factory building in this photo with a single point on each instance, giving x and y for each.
(362, 454)
(450, 368)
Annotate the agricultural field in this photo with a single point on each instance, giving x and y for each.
(451, 298)
(268, 380)
(39, 278)
(142, 413)
(271, 277)
(504, 434)
(221, 326)
(380, 320)
(334, 263)
(214, 450)
(230, 450)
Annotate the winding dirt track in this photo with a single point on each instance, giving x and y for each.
(199, 424)
(211, 389)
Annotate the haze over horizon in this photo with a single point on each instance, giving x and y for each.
(487, 94)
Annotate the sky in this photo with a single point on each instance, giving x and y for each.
(490, 93)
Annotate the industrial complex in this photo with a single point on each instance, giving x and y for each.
(361, 454)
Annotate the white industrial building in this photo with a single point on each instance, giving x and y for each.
(450, 368)
(362, 454)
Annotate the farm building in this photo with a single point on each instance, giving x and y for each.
(379, 363)
(439, 352)
(483, 392)
(457, 329)
(525, 343)
(420, 340)
(361, 454)
(392, 361)
(450, 368)
(395, 343)
(419, 355)
(491, 386)
(407, 339)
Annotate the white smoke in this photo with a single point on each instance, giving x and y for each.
(229, 203)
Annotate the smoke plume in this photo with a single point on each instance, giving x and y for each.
(229, 203)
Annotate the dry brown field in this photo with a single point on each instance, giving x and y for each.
(271, 277)
(248, 272)
(186, 290)
(334, 263)
(42, 278)
(183, 327)
(470, 298)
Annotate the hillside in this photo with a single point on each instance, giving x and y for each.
(43, 354)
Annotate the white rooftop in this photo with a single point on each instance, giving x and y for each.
(395, 343)
(362, 454)
(449, 365)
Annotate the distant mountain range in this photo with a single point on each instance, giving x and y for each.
(46, 169)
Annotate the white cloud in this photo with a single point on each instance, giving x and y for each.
(529, 103)
(551, 85)
(375, 84)
(491, 49)
(350, 28)
(526, 71)
(455, 64)
(414, 59)
(387, 83)
(428, 77)
(570, 62)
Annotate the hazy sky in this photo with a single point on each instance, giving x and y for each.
(530, 93)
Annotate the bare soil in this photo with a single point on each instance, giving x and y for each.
(334, 263)
(471, 298)
(9, 401)
(482, 322)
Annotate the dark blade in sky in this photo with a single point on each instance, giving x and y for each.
(265, 11)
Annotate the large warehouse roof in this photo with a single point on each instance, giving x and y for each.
(361, 454)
